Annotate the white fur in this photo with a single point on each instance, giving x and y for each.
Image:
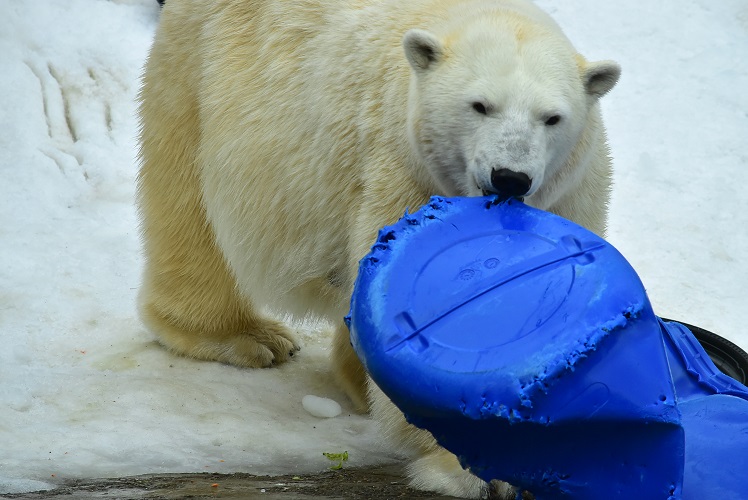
(277, 139)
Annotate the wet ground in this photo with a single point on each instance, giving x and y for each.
(383, 482)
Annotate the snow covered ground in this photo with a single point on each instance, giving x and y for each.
(84, 389)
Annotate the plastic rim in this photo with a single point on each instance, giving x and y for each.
(728, 357)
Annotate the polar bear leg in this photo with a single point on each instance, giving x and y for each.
(432, 468)
(189, 297)
(348, 370)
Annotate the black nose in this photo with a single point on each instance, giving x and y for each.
(510, 184)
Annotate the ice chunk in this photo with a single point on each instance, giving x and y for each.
(321, 407)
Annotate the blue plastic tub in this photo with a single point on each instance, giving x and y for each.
(528, 347)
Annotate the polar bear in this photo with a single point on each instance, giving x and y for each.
(276, 139)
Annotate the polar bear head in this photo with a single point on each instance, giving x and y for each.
(498, 104)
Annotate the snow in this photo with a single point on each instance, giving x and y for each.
(85, 390)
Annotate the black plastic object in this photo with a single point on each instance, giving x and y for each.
(528, 347)
(728, 357)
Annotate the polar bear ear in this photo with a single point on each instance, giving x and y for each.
(600, 77)
(422, 49)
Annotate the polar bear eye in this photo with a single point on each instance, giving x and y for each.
(553, 120)
(479, 107)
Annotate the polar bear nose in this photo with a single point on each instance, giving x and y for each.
(510, 184)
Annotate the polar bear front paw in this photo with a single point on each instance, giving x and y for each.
(263, 347)
(258, 344)
(440, 472)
